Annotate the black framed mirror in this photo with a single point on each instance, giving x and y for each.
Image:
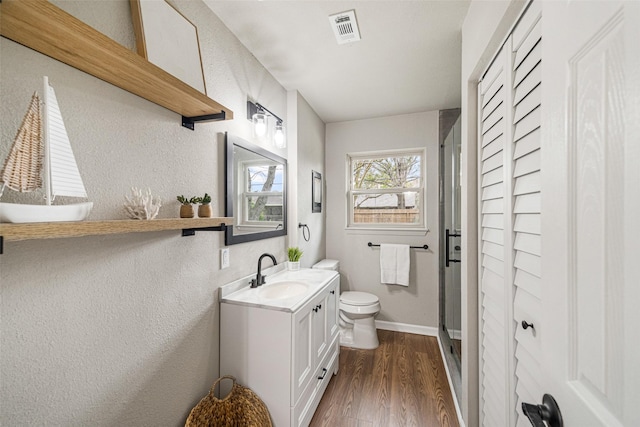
(255, 192)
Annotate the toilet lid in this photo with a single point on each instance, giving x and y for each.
(358, 298)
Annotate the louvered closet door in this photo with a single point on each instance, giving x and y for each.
(510, 246)
(526, 47)
(494, 294)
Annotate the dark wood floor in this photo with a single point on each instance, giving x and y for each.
(401, 383)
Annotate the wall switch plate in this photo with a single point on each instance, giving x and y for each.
(224, 258)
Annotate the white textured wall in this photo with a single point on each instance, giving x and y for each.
(311, 147)
(123, 329)
(359, 264)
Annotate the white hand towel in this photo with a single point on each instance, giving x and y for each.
(394, 264)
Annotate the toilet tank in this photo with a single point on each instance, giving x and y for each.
(327, 264)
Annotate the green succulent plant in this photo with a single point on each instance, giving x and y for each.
(294, 254)
(202, 200)
(187, 201)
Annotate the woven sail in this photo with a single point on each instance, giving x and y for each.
(41, 157)
(65, 177)
(22, 170)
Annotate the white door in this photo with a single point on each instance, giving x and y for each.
(590, 210)
(510, 152)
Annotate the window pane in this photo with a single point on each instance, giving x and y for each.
(388, 208)
(264, 208)
(263, 178)
(386, 172)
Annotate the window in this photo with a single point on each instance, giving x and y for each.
(386, 189)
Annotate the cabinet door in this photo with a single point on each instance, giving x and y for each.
(332, 309)
(320, 333)
(303, 353)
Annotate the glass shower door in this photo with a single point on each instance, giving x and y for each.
(453, 320)
(450, 279)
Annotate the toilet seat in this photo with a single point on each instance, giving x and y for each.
(359, 303)
(358, 298)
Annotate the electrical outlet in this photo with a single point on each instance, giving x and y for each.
(224, 258)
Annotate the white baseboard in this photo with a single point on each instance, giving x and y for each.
(408, 328)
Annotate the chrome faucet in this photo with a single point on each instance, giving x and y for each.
(259, 280)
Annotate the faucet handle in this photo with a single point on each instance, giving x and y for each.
(254, 283)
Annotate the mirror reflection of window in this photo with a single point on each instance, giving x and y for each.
(255, 192)
(262, 201)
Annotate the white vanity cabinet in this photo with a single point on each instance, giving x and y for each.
(286, 356)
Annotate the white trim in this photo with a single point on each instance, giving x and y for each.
(421, 190)
(453, 393)
(377, 231)
(408, 328)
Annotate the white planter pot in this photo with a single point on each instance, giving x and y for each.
(293, 266)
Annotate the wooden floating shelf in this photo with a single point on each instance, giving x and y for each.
(54, 230)
(51, 31)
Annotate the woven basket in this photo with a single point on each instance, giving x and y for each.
(241, 407)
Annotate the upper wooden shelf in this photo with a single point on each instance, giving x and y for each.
(54, 230)
(48, 29)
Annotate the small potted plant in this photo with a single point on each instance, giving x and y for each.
(294, 255)
(204, 210)
(186, 209)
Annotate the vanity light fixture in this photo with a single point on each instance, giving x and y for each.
(279, 138)
(260, 124)
(259, 116)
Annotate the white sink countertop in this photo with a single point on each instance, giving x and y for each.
(240, 293)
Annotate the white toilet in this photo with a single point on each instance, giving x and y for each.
(357, 314)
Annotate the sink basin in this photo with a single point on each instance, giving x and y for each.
(280, 290)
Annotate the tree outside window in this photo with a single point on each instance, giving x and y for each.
(262, 198)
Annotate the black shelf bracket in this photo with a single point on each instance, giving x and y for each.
(192, 231)
(189, 122)
(1, 245)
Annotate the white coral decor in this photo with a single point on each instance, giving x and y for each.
(141, 206)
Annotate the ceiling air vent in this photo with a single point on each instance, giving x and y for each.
(345, 27)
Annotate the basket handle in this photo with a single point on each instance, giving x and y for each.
(213, 387)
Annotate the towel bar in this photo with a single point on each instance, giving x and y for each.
(371, 245)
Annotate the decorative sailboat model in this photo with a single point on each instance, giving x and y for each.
(41, 158)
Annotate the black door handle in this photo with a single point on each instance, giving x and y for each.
(526, 325)
(446, 250)
(548, 411)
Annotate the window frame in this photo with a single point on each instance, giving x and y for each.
(421, 190)
(244, 195)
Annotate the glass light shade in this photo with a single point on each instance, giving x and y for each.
(279, 138)
(260, 124)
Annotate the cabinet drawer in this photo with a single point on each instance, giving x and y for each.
(302, 413)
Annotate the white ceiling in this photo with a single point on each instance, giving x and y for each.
(407, 61)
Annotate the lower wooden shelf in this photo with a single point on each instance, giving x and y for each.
(55, 230)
